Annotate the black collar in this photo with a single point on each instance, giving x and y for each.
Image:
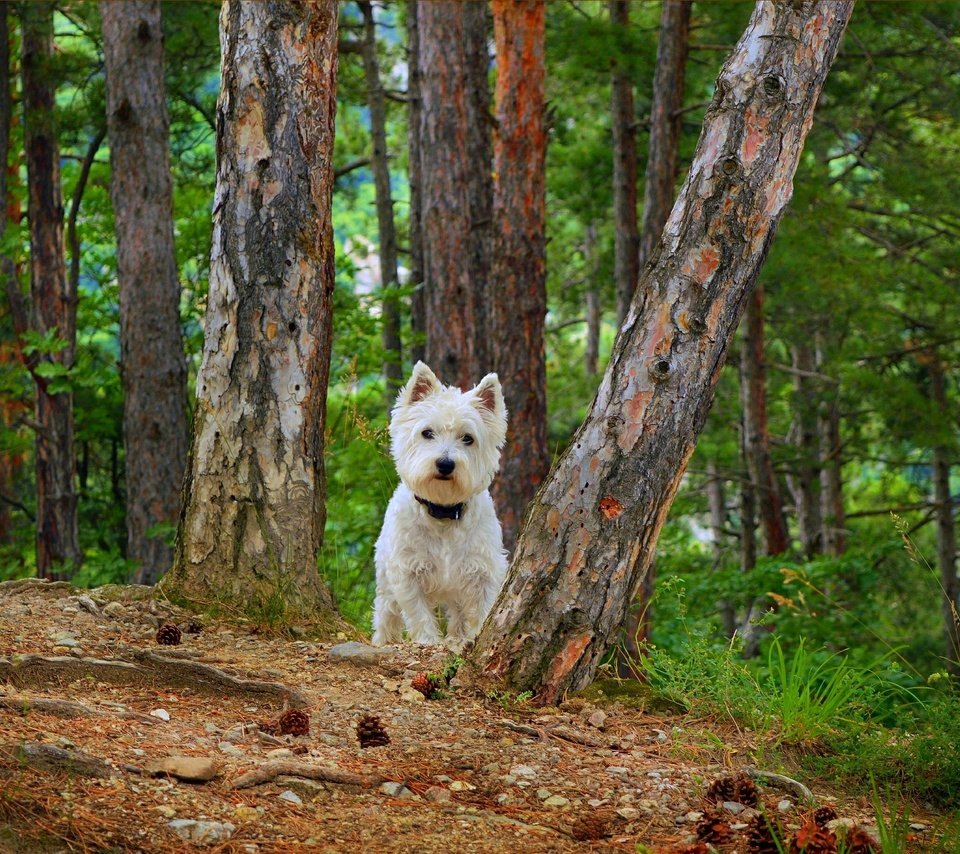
(442, 511)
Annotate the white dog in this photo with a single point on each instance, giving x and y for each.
(441, 542)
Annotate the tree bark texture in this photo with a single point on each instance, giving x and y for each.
(946, 527)
(54, 306)
(254, 501)
(807, 444)
(753, 396)
(589, 537)
(456, 186)
(9, 463)
(389, 279)
(623, 126)
(418, 329)
(518, 296)
(154, 370)
(665, 123)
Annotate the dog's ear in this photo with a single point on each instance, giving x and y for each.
(423, 382)
(489, 396)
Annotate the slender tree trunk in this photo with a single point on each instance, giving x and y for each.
(9, 463)
(589, 536)
(665, 123)
(807, 442)
(832, 515)
(418, 328)
(592, 306)
(456, 186)
(716, 501)
(518, 303)
(623, 124)
(254, 500)
(153, 366)
(54, 305)
(946, 527)
(390, 280)
(748, 503)
(753, 373)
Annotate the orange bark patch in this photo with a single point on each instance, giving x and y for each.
(563, 662)
(553, 520)
(610, 507)
(702, 265)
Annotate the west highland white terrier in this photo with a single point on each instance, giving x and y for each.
(441, 542)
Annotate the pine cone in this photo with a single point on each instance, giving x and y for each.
(822, 816)
(811, 839)
(193, 627)
(294, 722)
(858, 841)
(427, 684)
(764, 836)
(713, 828)
(739, 788)
(696, 848)
(269, 727)
(371, 733)
(168, 635)
(593, 825)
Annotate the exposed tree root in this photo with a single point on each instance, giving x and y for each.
(786, 784)
(48, 757)
(67, 709)
(290, 768)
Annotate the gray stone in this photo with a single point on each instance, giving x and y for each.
(543, 794)
(191, 769)
(230, 749)
(628, 813)
(291, 797)
(556, 801)
(733, 806)
(360, 653)
(523, 771)
(437, 794)
(598, 719)
(88, 604)
(618, 770)
(202, 832)
(784, 805)
(114, 609)
(392, 789)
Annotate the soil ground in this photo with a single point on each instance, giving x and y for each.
(465, 773)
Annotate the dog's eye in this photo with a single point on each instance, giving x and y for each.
(467, 439)
(428, 434)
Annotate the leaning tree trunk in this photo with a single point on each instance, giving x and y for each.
(590, 534)
(254, 498)
(518, 298)
(623, 125)
(54, 305)
(456, 186)
(151, 347)
(418, 329)
(389, 278)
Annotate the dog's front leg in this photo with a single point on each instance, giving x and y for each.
(418, 615)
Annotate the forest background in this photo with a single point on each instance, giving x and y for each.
(829, 496)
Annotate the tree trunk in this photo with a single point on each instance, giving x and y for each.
(753, 393)
(946, 530)
(665, 123)
(153, 367)
(623, 124)
(832, 515)
(418, 328)
(518, 301)
(589, 537)
(9, 463)
(718, 524)
(807, 444)
(389, 279)
(592, 306)
(748, 503)
(254, 500)
(456, 186)
(54, 305)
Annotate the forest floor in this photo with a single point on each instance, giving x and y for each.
(91, 706)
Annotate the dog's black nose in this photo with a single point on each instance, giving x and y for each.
(445, 466)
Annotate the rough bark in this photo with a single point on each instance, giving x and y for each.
(665, 123)
(456, 186)
(518, 299)
(753, 395)
(946, 527)
(54, 306)
(418, 329)
(153, 367)
(254, 499)
(389, 278)
(807, 444)
(623, 125)
(589, 537)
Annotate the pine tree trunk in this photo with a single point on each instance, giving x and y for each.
(716, 502)
(390, 281)
(623, 124)
(807, 443)
(54, 305)
(154, 370)
(748, 505)
(665, 123)
(518, 300)
(832, 515)
(9, 463)
(418, 328)
(456, 186)
(254, 500)
(592, 306)
(590, 534)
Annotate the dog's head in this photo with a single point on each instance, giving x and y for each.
(446, 443)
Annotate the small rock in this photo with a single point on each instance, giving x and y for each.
(211, 728)
(360, 653)
(523, 771)
(114, 609)
(191, 769)
(504, 798)
(628, 813)
(597, 802)
(784, 805)
(693, 816)
(88, 604)
(280, 753)
(230, 749)
(618, 770)
(244, 813)
(543, 794)
(556, 801)
(597, 719)
(291, 797)
(437, 794)
(392, 789)
(202, 832)
(461, 786)
(411, 695)
(917, 825)
(166, 811)
(733, 807)
(163, 714)
(69, 609)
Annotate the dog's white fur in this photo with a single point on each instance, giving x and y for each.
(422, 561)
